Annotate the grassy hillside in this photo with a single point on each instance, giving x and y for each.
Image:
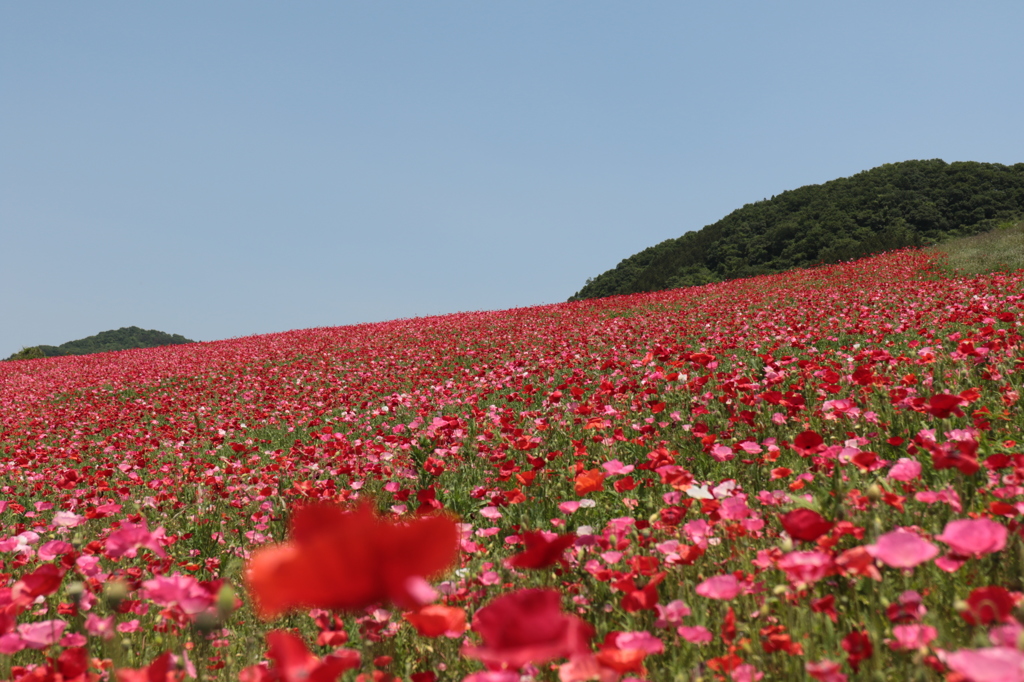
(124, 338)
(998, 250)
(914, 203)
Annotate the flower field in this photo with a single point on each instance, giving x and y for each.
(815, 475)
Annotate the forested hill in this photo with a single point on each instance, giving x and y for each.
(899, 204)
(115, 339)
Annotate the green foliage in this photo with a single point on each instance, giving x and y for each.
(116, 339)
(914, 203)
(29, 353)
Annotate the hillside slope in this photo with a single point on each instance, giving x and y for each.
(900, 204)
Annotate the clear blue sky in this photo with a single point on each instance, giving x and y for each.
(220, 169)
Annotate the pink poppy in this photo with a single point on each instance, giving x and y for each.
(11, 643)
(750, 447)
(1007, 634)
(695, 634)
(49, 551)
(722, 453)
(902, 549)
(734, 509)
(130, 538)
(583, 668)
(806, 567)
(825, 671)
(905, 469)
(949, 496)
(974, 537)
(724, 587)
(993, 664)
(671, 613)
(66, 519)
(42, 634)
(615, 467)
(911, 637)
(641, 639)
(182, 590)
(98, 626)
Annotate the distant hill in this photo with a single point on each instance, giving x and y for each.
(899, 204)
(115, 339)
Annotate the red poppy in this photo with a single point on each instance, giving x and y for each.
(775, 638)
(527, 626)
(590, 481)
(729, 627)
(857, 646)
(826, 605)
(73, 664)
(960, 455)
(542, 550)
(808, 443)
(294, 663)
(944, 404)
(640, 599)
(435, 620)
(622, 660)
(43, 581)
(160, 670)
(805, 524)
(988, 605)
(338, 559)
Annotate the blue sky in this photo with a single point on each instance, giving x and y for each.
(233, 168)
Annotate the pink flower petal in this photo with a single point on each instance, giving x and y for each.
(695, 634)
(724, 587)
(902, 549)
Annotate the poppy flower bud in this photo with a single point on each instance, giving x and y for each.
(115, 592)
(874, 493)
(786, 545)
(960, 606)
(206, 622)
(75, 591)
(226, 601)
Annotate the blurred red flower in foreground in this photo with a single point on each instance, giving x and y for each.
(349, 559)
(527, 626)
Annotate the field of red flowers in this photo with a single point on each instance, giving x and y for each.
(813, 475)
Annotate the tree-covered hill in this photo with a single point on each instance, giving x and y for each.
(115, 339)
(899, 204)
